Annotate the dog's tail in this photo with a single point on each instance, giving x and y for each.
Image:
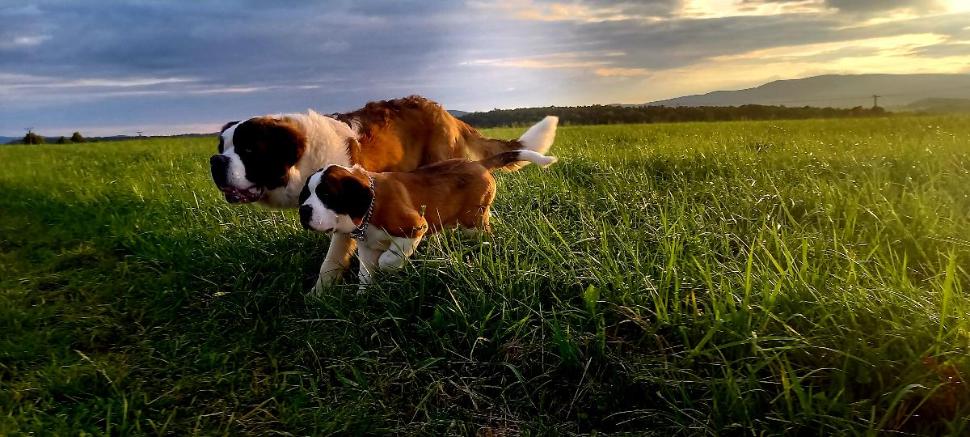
(515, 158)
(538, 138)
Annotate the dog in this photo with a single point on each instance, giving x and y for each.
(267, 159)
(389, 213)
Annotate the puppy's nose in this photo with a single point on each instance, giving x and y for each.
(306, 213)
(219, 166)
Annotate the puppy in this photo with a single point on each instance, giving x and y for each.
(388, 213)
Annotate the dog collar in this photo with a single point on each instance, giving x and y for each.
(360, 232)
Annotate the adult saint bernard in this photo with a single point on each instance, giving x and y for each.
(267, 159)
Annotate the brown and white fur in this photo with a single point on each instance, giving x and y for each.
(404, 206)
(268, 159)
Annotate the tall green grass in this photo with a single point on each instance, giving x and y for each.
(752, 277)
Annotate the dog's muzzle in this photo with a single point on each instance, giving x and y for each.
(306, 214)
(219, 167)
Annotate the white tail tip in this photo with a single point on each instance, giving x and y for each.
(537, 158)
(540, 136)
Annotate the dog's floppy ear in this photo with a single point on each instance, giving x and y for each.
(305, 192)
(280, 140)
(357, 195)
(228, 125)
(355, 188)
(268, 148)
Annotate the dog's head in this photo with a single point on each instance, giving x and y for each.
(255, 156)
(335, 199)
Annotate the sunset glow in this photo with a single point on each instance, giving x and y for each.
(473, 55)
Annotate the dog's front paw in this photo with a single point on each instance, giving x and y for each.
(322, 285)
(331, 272)
(318, 289)
(329, 276)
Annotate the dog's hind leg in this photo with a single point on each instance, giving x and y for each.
(475, 223)
(403, 247)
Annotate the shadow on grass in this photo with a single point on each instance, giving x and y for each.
(129, 315)
(110, 308)
(122, 319)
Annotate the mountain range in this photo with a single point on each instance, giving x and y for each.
(895, 91)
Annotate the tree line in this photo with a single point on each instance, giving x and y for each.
(617, 114)
(596, 114)
(34, 138)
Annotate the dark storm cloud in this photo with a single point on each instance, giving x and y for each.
(198, 53)
(221, 42)
(677, 43)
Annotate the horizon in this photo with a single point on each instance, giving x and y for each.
(107, 69)
(215, 128)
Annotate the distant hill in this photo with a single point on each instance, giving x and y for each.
(837, 91)
(939, 105)
(456, 113)
(5, 140)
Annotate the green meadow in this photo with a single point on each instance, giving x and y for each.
(742, 278)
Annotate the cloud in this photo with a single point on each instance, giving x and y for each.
(22, 41)
(580, 12)
(566, 60)
(864, 7)
(902, 54)
(17, 81)
(554, 11)
(947, 50)
(870, 6)
(103, 63)
(621, 72)
(707, 9)
(900, 45)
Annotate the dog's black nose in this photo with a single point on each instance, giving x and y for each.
(219, 166)
(306, 213)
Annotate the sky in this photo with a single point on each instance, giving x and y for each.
(165, 67)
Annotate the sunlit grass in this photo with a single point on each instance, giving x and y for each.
(782, 277)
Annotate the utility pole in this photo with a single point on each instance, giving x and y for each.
(875, 101)
(29, 139)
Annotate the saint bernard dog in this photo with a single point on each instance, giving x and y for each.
(268, 159)
(389, 213)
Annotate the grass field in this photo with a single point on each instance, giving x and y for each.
(804, 277)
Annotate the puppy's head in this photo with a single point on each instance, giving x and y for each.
(335, 199)
(255, 156)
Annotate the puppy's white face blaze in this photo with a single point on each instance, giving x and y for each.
(236, 174)
(324, 219)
